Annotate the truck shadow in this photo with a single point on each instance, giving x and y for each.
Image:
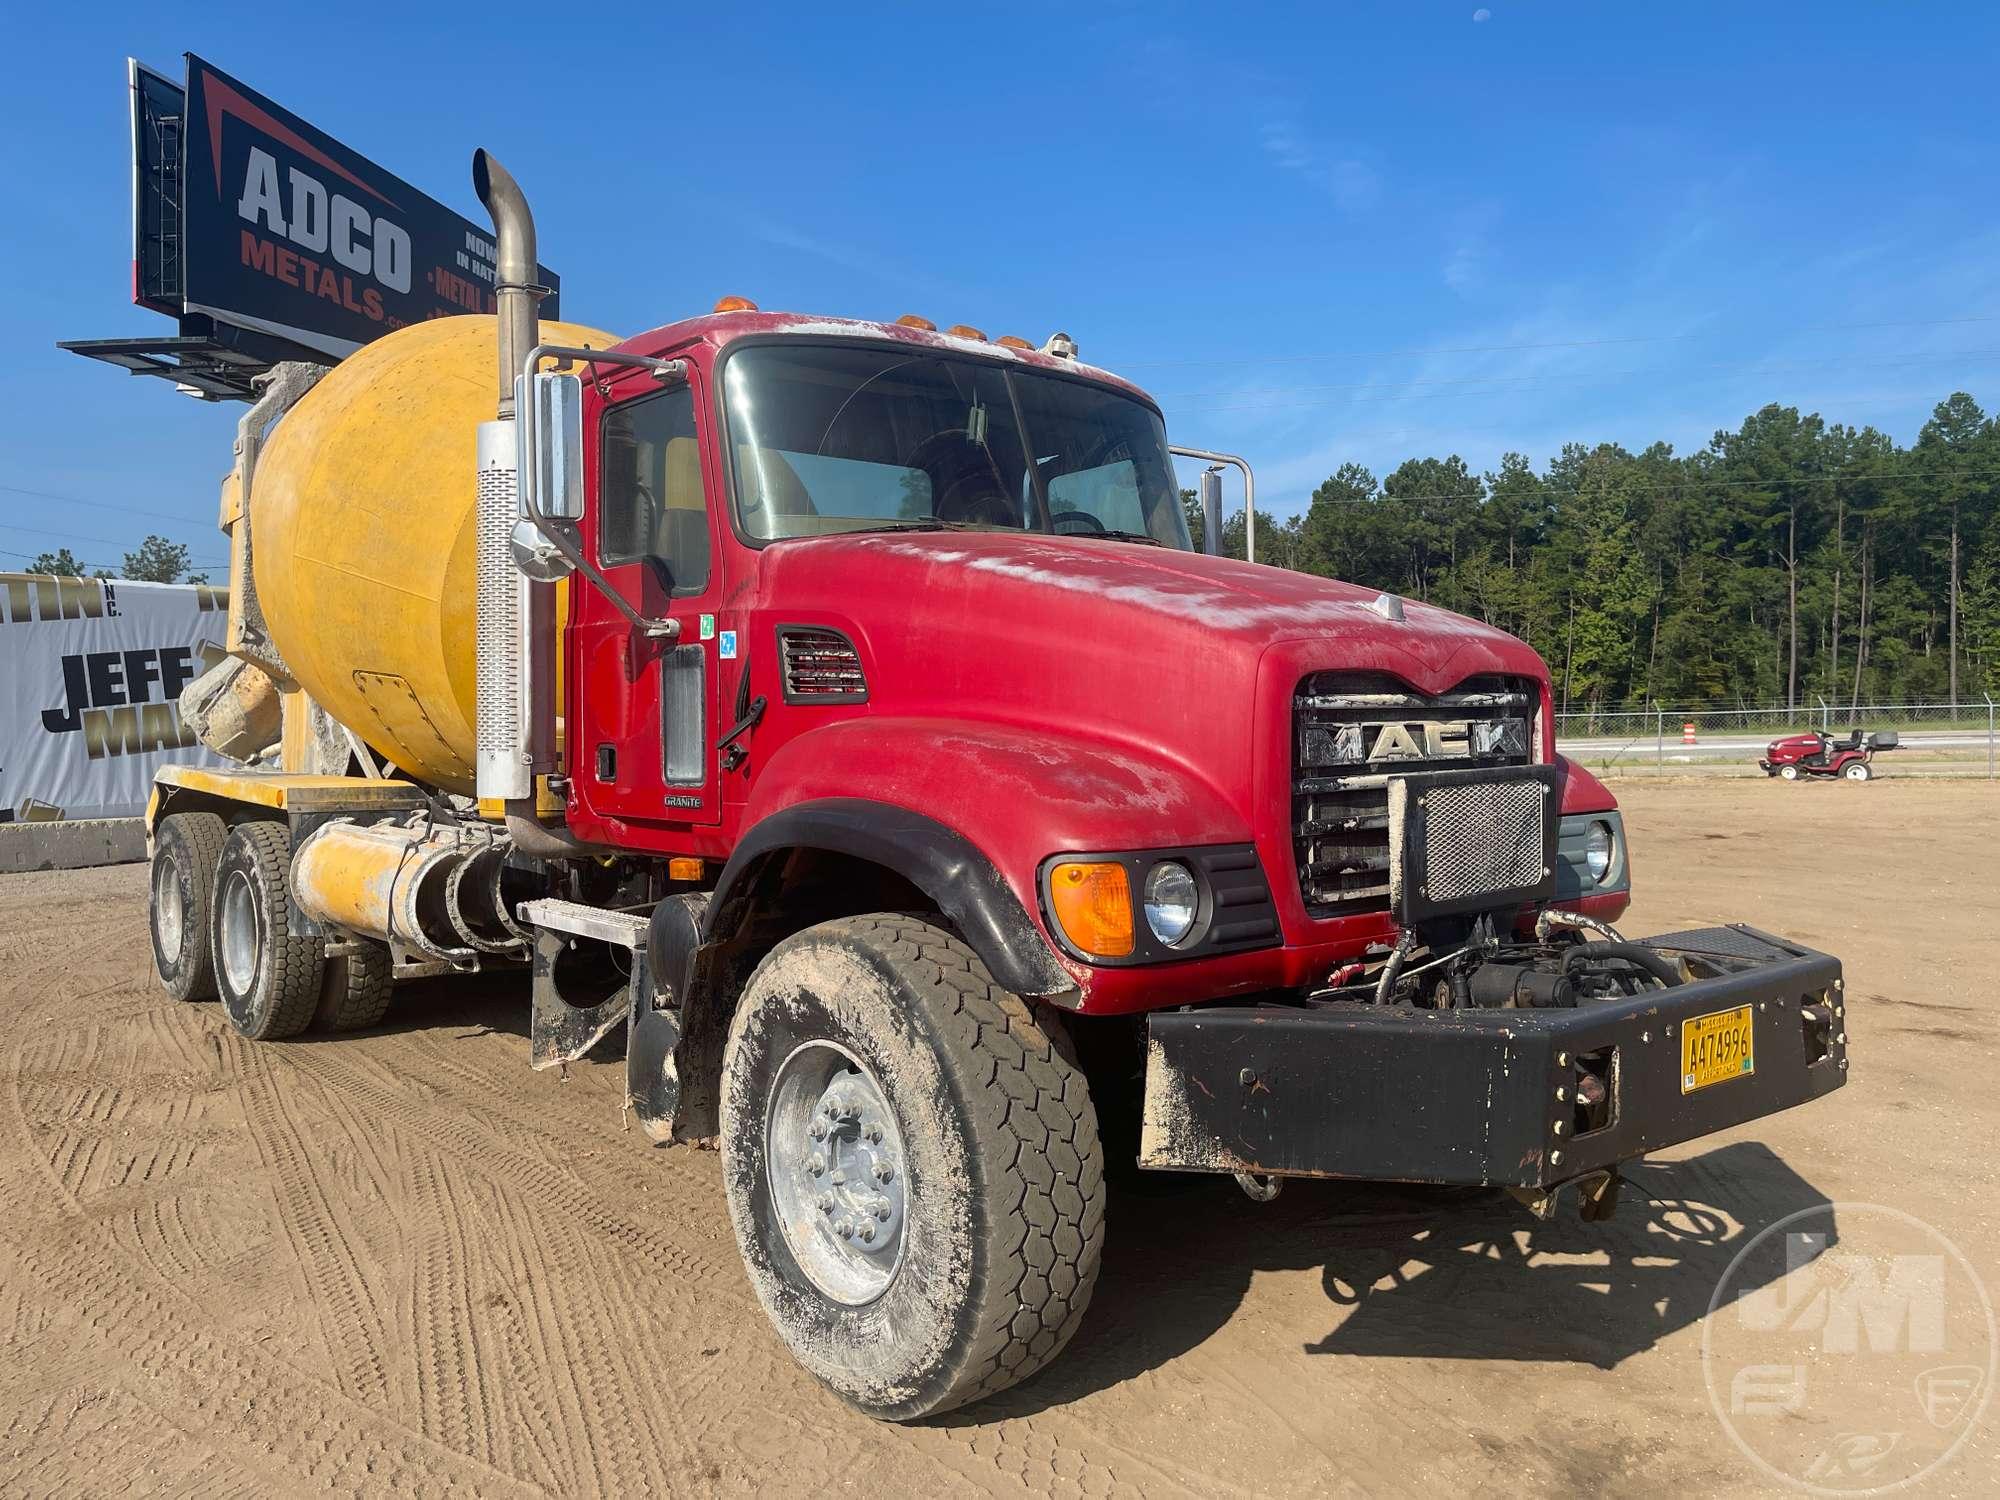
(1420, 1273)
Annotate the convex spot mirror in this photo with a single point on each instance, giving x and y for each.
(549, 416)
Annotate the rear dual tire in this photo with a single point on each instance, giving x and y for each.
(912, 1167)
(267, 977)
(186, 849)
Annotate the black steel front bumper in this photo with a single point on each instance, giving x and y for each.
(1488, 1097)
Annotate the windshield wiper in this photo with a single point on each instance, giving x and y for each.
(920, 523)
(1122, 536)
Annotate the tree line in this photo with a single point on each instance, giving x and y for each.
(157, 560)
(1790, 560)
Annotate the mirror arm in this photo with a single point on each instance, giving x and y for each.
(1249, 492)
(664, 371)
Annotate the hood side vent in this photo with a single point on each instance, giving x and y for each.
(820, 665)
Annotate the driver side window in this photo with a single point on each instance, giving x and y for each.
(651, 507)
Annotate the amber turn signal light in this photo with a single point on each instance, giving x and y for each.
(1092, 901)
(735, 304)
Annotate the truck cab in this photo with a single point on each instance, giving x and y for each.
(843, 713)
(959, 575)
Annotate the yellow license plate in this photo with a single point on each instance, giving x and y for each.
(1717, 1047)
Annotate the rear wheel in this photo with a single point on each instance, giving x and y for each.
(186, 849)
(357, 987)
(1789, 772)
(1857, 770)
(912, 1166)
(269, 979)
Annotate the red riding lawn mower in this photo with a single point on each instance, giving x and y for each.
(1820, 754)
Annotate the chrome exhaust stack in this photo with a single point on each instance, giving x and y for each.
(514, 685)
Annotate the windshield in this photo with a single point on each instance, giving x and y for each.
(828, 439)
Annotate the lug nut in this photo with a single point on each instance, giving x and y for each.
(1562, 1059)
(867, 1234)
(817, 1130)
(1555, 1158)
(832, 1110)
(1557, 1127)
(817, 1166)
(845, 1229)
(826, 1203)
(882, 1209)
(840, 1179)
(883, 1171)
(874, 1135)
(1561, 1094)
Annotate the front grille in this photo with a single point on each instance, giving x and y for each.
(1352, 731)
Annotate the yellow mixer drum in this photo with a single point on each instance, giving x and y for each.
(364, 537)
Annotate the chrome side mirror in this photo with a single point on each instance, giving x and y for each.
(549, 416)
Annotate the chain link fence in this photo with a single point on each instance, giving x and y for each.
(1964, 732)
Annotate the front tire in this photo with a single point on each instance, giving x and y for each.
(874, 1064)
(1789, 772)
(186, 849)
(268, 979)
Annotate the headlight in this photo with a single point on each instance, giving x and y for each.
(1171, 897)
(1598, 847)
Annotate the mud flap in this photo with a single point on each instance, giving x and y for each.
(590, 973)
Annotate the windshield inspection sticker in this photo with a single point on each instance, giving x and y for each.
(708, 627)
(727, 645)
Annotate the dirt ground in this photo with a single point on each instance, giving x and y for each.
(403, 1262)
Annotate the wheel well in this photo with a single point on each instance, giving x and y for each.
(787, 890)
(793, 889)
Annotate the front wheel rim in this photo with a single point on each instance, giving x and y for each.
(237, 928)
(838, 1172)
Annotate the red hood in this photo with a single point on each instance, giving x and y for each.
(1172, 658)
(1090, 594)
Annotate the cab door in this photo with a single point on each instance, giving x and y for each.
(642, 723)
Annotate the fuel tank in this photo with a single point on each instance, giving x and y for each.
(363, 530)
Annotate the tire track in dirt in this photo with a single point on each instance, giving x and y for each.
(618, 1429)
(356, 1334)
(436, 1307)
(278, 1419)
(311, 1433)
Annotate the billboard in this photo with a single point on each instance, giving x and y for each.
(286, 232)
(91, 672)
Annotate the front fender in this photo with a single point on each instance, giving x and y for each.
(1017, 796)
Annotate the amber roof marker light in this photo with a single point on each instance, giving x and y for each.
(735, 304)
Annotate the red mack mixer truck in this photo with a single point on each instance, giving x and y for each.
(843, 713)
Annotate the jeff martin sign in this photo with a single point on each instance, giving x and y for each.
(91, 672)
(289, 233)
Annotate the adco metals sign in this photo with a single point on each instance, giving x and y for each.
(288, 232)
(91, 672)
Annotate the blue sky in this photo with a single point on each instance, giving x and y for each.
(1319, 233)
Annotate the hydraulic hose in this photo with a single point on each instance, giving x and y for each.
(1639, 955)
